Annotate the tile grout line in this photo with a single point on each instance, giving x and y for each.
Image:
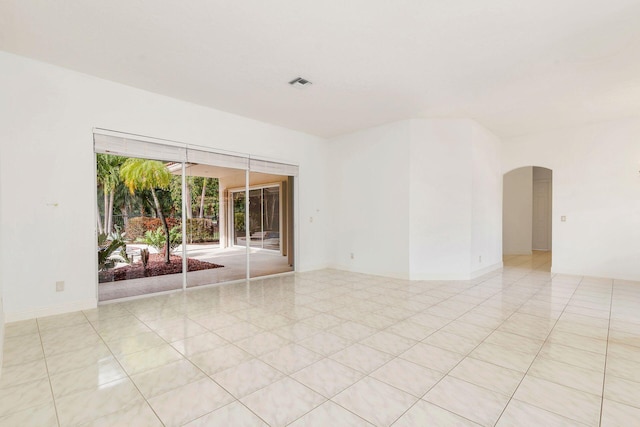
(321, 330)
(536, 356)
(539, 350)
(44, 355)
(122, 367)
(606, 354)
(467, 354)
(184, 357)
(533, 290)
(252, 358)
(368, 375)
(194, 365)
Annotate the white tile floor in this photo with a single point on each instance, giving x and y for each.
(521, 347)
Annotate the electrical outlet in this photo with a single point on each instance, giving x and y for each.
(563, 218)
(60, 286)
(352, 256)
(480, 258)
(310, 219)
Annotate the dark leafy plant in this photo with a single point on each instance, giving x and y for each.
(108, 245)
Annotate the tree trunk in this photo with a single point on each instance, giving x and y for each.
(99, 221)
(204, 191)
(106, 210)
(110, 211)
(125, 215)
(165, 226)
(188, 197)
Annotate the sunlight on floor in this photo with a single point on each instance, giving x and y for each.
(538, 261)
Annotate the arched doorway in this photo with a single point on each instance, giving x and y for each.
(527, 217)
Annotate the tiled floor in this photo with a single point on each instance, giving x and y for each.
(520, 347)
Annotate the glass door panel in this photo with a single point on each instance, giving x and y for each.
(215, 223)
(139, 233)
(256, 224)
(271, 237)
(239, 223)
(271, 218)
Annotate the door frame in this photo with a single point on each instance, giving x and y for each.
(246, 190)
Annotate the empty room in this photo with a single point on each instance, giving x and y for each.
(362, 213)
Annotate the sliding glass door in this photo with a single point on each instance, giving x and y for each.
(264, 218)
(139, 230)
(208, 225)
(171, 216)
(269, 225)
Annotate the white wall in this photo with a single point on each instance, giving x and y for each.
(47, 159)
(369, 194)
(441, 201)
(456, 194)
(486, 202)
(402, 203)
(517, 211)
(2, 242)
(596, 185)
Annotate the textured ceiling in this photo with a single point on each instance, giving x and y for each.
(514, 66)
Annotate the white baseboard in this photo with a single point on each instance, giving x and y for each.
(2, 320)
(485, 270)
(307, 268)
(390, 274)
(470, 276)
(67, 307)
(439, 276)
(457, 276)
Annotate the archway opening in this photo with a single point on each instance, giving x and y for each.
(527, 218)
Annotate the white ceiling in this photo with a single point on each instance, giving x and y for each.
(515, 66)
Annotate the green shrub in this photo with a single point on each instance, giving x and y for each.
(137, 227)
(239, 221)
(157, 239)
(201, 230)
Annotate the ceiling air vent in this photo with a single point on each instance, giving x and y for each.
(300, 82)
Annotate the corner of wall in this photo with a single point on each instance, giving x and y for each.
(455, 167)
(2, 320)
(486, 270)
(1, 333)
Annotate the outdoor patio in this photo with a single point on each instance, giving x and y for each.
(262, 263)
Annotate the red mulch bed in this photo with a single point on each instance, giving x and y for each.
(155, 267)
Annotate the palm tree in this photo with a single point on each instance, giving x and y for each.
(202, 196)
(142, 174)
(108, 170)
